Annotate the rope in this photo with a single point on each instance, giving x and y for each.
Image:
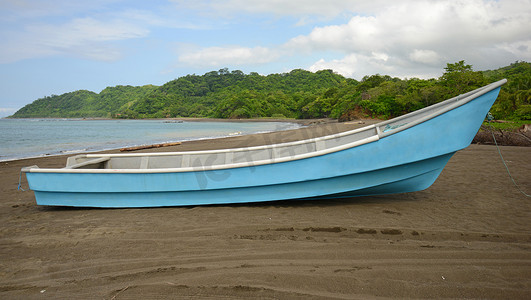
(20, 183)
(489, 118)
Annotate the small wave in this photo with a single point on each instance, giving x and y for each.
(73, 151)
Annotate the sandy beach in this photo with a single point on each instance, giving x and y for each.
(467, 236)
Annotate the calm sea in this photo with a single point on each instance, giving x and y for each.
(23, 138)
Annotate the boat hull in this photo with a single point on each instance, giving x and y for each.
(402, 161)
(390, 180)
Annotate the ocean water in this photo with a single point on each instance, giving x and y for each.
(23, 138)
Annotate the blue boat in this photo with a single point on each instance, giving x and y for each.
(404, 154)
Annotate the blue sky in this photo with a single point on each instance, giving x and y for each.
(58, 46)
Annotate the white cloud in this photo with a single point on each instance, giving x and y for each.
(85, 37)
(345, 66)
(425, 56)
(517, 48)
(356, 65)
(35, 29)
(412, 38)
(83, 30)
(229, 56)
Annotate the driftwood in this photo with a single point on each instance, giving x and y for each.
(149, 146)
(519, 137)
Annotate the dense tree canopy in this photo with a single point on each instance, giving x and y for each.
(297, 94)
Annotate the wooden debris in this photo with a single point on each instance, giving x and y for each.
(149, 146)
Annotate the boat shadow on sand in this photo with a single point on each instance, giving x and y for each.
(291, 203)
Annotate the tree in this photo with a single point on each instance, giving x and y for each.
(459, 78)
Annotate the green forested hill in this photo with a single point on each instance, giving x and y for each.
(297, 94)
(84, 104)
(224, 94)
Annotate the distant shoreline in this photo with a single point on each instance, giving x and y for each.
(190, 119)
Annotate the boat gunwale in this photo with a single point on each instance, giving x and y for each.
(459, 100)
(360, 142)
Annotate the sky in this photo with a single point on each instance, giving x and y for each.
(51, 47)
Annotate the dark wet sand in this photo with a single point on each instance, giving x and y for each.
(467, 236)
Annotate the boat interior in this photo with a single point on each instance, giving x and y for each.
(235, 157)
